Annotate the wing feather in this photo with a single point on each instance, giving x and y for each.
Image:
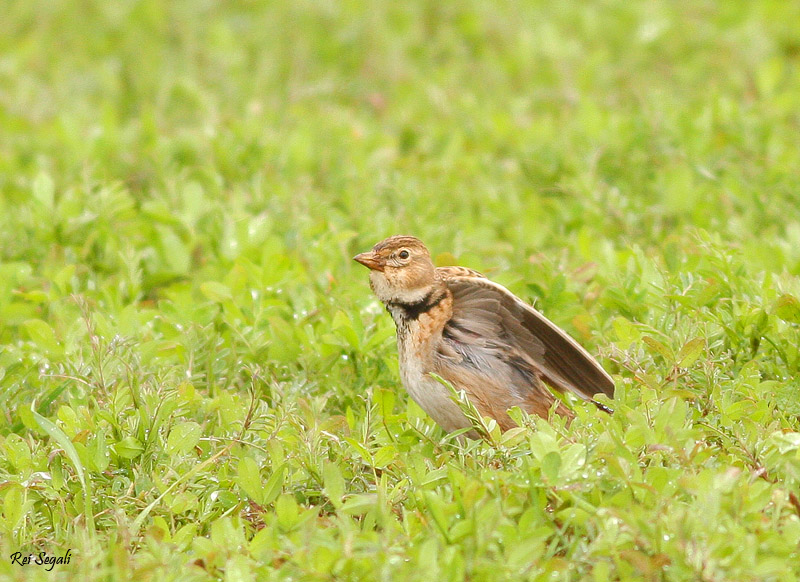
(491, 319)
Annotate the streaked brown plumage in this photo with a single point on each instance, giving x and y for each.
(477, 335)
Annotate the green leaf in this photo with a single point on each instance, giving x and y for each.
(435, 476)
(17, 452)
(195, 203)
(360, 449)
(787, 307)
(248, 477)
(42, 335)
(183, 437)
(128, 448)
(284, 346)
(384, 455)
(57, 472)
(216, 291)
(98, 451)
(513, 437)
(573, 459)
(384, 398)
(379, 337)
(286, 512)
(274, 485)
(44, 190)
(14, 507)
(551, 463)
(184, 536)
(359, 504)
(343, 325)
(334, 483)
(64, 278)
(690, 351)
(174, 250)
(627, 333)
(63, 441)
(785, 442)
(435, 506)
(658, 347)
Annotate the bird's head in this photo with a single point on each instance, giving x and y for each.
(401, 270)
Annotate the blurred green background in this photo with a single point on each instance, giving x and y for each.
(183, 185)
(441, 119)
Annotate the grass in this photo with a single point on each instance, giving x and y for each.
(198, 385)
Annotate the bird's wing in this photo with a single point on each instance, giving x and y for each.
(454, 271)
(490, 322)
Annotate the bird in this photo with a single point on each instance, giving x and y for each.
(454, 323)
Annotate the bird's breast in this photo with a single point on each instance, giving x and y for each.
(417, 342)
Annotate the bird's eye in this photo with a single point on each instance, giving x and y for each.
(403, 254)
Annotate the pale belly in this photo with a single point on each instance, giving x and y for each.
(432, 396)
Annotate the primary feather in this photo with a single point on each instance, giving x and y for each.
(483, 310)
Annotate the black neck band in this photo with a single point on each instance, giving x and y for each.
(413, 310)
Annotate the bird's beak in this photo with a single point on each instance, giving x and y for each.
(369, 259)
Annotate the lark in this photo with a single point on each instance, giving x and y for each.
(457, 324)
